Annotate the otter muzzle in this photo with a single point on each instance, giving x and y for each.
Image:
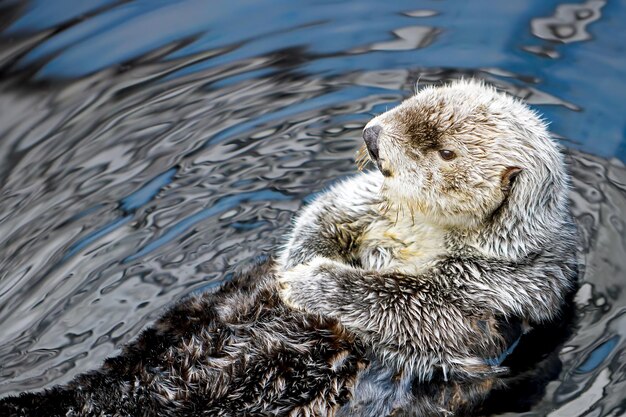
(370, 136)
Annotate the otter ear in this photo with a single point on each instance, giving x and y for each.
(508, 178)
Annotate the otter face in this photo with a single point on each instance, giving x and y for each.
(451, 153)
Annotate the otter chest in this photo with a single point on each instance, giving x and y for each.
(403, 246)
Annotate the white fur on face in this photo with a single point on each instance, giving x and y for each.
(489, 133)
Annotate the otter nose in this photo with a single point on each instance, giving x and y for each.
(370, 136)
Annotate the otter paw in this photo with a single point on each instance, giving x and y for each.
(301, 287)
(286, 283)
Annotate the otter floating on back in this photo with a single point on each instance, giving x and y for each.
(400, 291)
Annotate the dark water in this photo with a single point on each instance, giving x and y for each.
(147, 148)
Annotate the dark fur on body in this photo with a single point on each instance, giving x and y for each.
(242, 352)
(237, 352)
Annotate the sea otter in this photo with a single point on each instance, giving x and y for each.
(462, 235)
(400, 291)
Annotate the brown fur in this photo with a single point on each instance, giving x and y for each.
(237, 352)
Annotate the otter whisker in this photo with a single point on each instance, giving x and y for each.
(385, 206)
(362, 158)
(395, 223)
(417, 84)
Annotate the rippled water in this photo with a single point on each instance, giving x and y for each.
(148, 148)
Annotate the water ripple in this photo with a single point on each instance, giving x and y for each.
(138, 166)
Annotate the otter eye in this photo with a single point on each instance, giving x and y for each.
(447, 155)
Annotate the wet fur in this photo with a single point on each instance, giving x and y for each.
(431, 262)
(398, 290)
(241, 351)
(238, 352)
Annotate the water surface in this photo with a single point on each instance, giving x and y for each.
(150, 148)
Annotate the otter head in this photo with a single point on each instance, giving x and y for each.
(455, 154)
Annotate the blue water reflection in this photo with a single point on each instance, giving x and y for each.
(150, 148)
(339, 37)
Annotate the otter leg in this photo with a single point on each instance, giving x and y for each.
(332, 225)
(409, 317)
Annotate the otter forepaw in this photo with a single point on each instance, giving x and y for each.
(304, 286)
(286, 283)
